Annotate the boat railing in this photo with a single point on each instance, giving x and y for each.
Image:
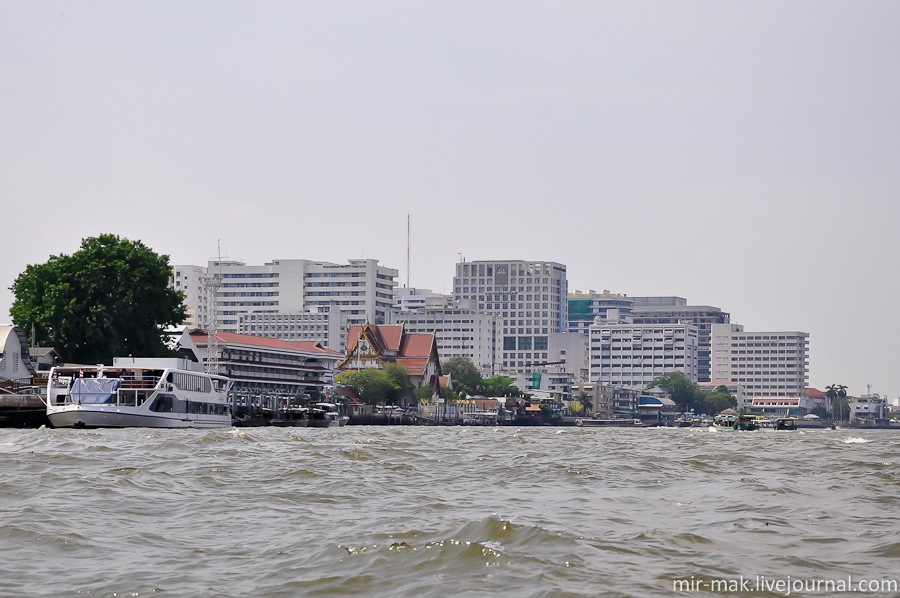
(133, 397)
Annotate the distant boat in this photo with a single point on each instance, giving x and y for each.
(148, 393)
(735, 422)
(785, 423)
(326, 415)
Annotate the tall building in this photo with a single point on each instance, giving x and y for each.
(672, 310)
(530, 299)
(768, 364)
(630, 355)
(584, 307)
(225, 290)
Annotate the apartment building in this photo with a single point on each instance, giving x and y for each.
(768, 364)
(672, 310)
(218, 295)
(629, 355)
(529, 297)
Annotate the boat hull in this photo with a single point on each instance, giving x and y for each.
(81, 417)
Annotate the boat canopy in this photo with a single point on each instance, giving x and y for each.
(94, 390)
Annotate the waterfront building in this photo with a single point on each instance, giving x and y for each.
(631, 355)
(769, 364)
(220, 293)
(460, 330)
(556, 386)
(529, 297)
(673, 310)
(374, 346)
(584, 307)
(15, 362)
(264, 366)
(869, 409)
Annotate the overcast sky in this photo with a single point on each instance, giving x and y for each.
(738, 154)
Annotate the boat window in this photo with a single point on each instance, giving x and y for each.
(163, 404)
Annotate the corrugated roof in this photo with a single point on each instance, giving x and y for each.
(200, 336)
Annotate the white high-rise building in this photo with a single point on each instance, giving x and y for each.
(768, 364)
(360, 290)
(530, 299)
(631, 355)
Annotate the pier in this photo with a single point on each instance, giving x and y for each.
(22, 411)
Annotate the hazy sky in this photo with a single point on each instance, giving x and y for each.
(740, 154)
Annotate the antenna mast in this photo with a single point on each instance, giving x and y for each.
(407, 249)
(213, 283)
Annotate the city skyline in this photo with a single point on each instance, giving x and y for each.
(740, 156)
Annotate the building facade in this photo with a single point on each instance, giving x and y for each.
(460, 330)
(584, 307)
(672, 310)
(629, 355)
(322, 325)
(265, 366)
(768, 364)
(530, 298)
(216, 296)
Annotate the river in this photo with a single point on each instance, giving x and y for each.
(430, 512)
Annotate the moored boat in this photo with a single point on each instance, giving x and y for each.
(326, 415)
(137, 392)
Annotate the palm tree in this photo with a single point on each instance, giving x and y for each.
(585, 399)
(836, 392)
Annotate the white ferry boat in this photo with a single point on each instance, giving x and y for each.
(137, 392)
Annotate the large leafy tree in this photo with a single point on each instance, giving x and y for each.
(110, 298)
(371, 385)
(717, 400)
(398, 376)
(464, 376)
(682, 390)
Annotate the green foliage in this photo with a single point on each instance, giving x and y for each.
(715, 401)
(110, 298)
(448, 395)
(423, 393)
(399, 378)
(498, 386)
(584, 399)
(576, 408)
(371, 385)
(464, 376)
(684, 392)
(840, 406)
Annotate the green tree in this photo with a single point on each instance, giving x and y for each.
(585, 400)
(371, 385)
(464, 376)
(498, 386)
(716, 400)
(680, 388)
(110, 298)
(399, 379)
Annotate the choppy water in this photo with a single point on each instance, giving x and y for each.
(404, 511)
